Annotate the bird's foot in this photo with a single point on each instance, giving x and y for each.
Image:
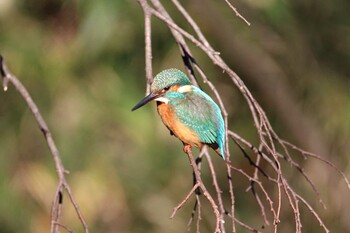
(187, 148)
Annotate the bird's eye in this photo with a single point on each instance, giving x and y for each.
(166, 88)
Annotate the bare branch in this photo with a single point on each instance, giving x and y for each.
(312, 155)
(8, 77)
(272, 149)
(188, 151)
(236, 12)
(148, 45)
(182, 203)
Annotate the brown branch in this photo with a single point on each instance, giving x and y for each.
(293, 202)
(270, 143)
(312, 155)
(259, 183)
(313, 213)
(212, 87)
(148, 45)
(64, 227)
(290, 193)
(214, 206)
(199, 217)
(307, 178)
(256, 195)
(9, 78)
(182, 203)
(249, 228)
(236, 12)
(217, 188)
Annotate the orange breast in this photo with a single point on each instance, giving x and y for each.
(180, 130)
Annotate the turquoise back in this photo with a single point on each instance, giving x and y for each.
(201, 114)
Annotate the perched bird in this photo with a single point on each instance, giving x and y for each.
(188, 112)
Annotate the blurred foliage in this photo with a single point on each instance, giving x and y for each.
(83, 63)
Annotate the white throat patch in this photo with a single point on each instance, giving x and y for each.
(162, 99)
(184, 89)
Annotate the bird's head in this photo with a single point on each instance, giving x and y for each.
(170, 80)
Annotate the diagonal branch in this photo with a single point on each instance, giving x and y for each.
(9, 78)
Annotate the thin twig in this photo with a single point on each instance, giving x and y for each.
(188, 151)
(313, 213)
(249, 228)
(64, 227)
(312, 155)
(217, 188)
(182, 203)
(236, 12)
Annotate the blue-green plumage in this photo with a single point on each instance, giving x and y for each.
(201, 114)
(187, 111)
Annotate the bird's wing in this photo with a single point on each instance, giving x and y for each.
(202, 115)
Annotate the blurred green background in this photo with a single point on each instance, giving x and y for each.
(83, 63)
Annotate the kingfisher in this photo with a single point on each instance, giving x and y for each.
(188, 112)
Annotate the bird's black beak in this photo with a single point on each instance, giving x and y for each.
(145, 100)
